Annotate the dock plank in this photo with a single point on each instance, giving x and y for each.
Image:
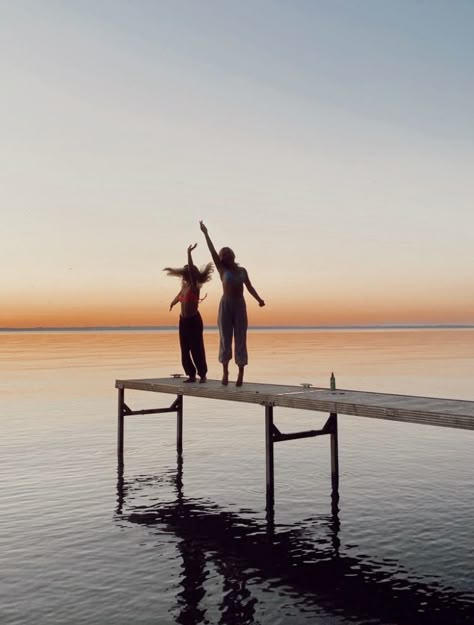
(453, 413)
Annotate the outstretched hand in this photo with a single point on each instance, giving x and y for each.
(203, 227)
(261, 303)
(192, 247)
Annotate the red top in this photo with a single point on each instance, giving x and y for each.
(189, 297)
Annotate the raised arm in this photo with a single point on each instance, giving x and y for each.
(191, 266)
(212, 249)
(251, 290)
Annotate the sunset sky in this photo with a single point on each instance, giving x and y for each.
(330, 143)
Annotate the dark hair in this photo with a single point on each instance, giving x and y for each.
(230, 252)
(200, 276)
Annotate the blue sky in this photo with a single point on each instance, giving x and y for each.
(330, 144)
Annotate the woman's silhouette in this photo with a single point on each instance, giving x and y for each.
(232, 316)
(193, 354)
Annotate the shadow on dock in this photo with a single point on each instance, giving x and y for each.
(293, 560)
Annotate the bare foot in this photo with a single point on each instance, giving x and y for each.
(225, 373)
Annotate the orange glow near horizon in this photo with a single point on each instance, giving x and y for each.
(302, 311)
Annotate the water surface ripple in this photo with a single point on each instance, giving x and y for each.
(188, 540)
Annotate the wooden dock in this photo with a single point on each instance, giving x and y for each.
(433, 411)
(451, 413)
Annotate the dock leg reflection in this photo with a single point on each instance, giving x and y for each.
(178, 480)
(120, 488)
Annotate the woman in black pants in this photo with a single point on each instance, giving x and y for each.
(193, 354)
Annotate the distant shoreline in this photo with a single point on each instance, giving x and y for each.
(395, 326)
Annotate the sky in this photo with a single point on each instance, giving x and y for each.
(330, 143)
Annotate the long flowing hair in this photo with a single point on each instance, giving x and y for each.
(200, 276)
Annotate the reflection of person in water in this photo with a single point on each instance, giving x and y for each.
(193, 354)
(303, 560)
(232, 316)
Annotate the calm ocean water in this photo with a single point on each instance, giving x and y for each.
(188, 542)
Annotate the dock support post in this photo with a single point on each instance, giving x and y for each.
(269, 457)
(121, 394)
(179, 424)
(334, 458)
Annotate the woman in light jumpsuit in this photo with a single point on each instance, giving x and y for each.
(232, 315)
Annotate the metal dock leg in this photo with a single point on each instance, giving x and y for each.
(334, 457)
(179, 424)
(269, 456)
(120, 433)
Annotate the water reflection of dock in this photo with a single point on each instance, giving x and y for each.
(297, 559)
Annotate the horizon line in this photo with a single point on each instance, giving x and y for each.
(372, 326)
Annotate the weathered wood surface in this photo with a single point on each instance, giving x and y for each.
(453, 413)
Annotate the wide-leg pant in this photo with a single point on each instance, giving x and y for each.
(232, 322)
(193, 354)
